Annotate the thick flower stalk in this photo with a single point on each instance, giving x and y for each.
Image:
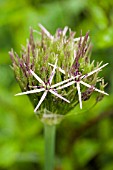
(56, 72)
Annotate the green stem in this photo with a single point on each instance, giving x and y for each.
(49, 146)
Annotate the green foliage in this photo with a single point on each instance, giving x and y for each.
(84, 140)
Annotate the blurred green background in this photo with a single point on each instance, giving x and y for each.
(84, 141)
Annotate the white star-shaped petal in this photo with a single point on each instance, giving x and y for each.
(46, 87)
(72, 80)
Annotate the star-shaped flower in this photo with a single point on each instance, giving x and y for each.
(78, 80)
(46, 87)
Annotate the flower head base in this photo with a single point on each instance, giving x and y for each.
(56, 72)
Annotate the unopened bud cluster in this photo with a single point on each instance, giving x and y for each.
(56, 72)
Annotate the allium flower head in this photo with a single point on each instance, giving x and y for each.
(56, 72)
